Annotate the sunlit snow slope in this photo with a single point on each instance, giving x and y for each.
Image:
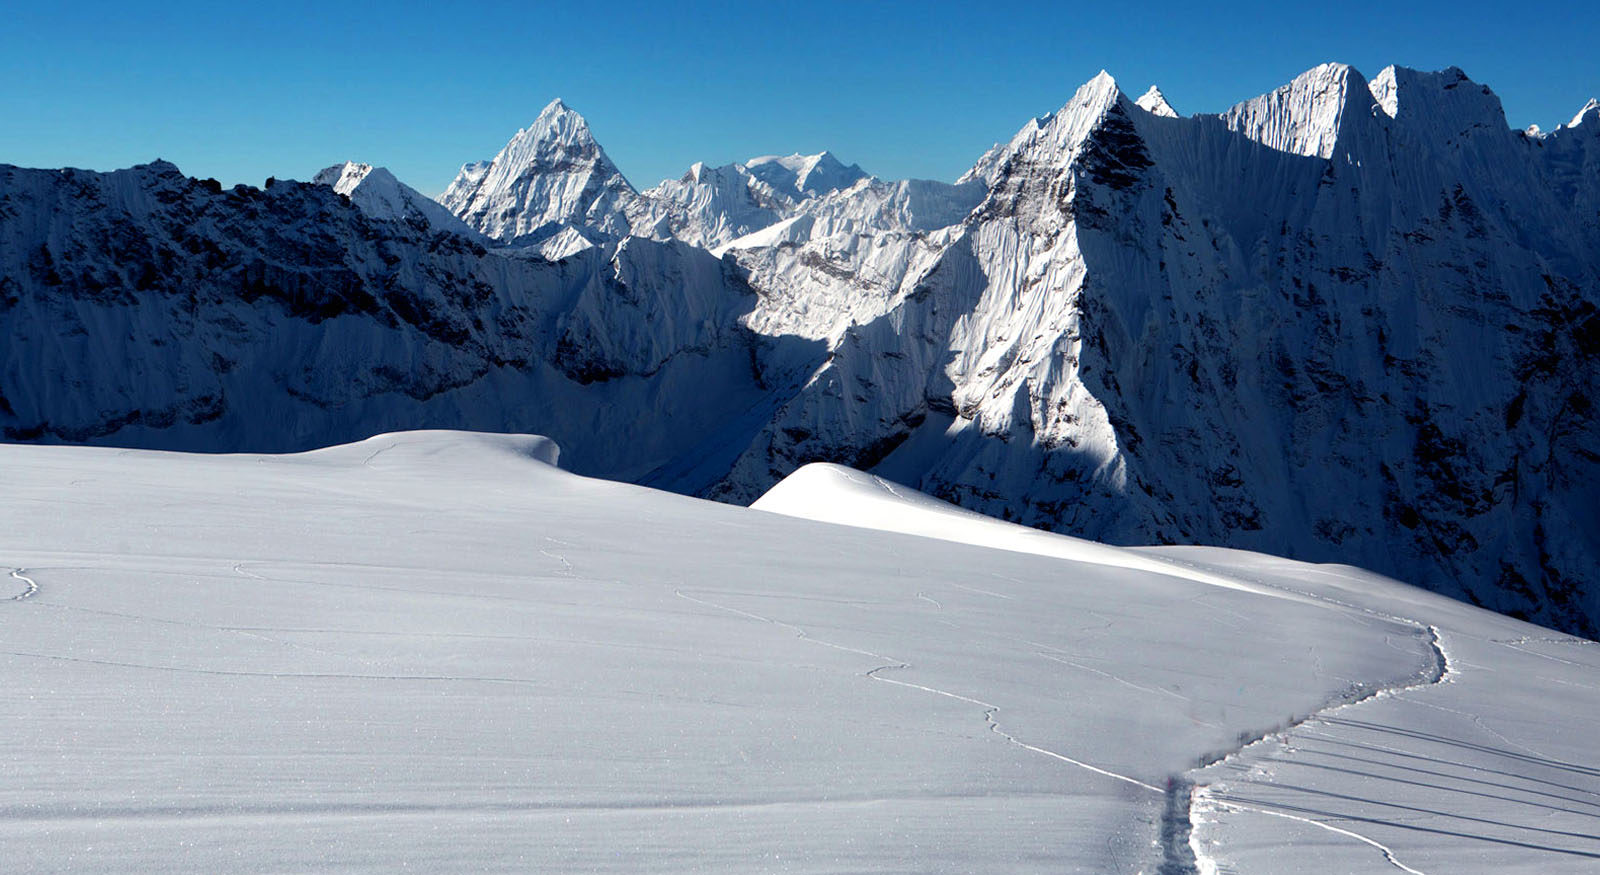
(435, 650)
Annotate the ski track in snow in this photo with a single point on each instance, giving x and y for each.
(1187, 856)
(32, 588)
(1379, 846)
(1439, 672)
(1180, 848)
(892, 664)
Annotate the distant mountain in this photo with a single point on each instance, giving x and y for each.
(808, 175)
(550, 175)
(380, 195)
(1347, 321)
(145, 308)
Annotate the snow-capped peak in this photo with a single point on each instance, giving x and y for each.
(551, 173)
(376, 192)
(1590, 109)
(1305, 116)
(344, 178)
(1052, 138)
(1155, 103)
(807, 175)
(558, 124)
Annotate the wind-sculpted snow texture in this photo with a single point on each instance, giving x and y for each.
(436, 651)
(1347, 320)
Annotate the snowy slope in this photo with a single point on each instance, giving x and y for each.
(380, 195)
(1349, 320)
(435, 650)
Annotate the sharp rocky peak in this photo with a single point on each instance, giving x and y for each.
(551, 173)
(1052, 139)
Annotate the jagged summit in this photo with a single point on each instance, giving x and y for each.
(347, 176)
(558, 124)
(1155, 103)
(1052, 140)
(551, 173)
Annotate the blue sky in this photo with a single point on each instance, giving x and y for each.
(904, 89)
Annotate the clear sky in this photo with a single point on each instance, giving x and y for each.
(240, 91)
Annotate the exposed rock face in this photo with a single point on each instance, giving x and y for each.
(144, 308)
(1346, 321)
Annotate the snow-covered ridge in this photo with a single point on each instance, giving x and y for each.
(380, 195)
(1303, 117)
(1155, 103)
(1248, 329)
(807, 175)
(1590, 111)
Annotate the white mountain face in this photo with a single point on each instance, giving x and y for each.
(380, 195)
(1155, 103)
(1364, 314)
(709, 206)
(552, 174)
(805, 175)
(1346, 321)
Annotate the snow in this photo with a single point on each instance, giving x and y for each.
(436, 650)
(1303, 117)
(808, 175)
(550, 175)
(1155, 103)
(1244, 329)
(1592, 108)
(376, 192)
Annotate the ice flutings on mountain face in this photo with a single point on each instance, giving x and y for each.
(1345, 321)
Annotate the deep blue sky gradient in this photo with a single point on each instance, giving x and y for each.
(904, 89)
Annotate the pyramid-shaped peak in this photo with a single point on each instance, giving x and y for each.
(557, 123)
(557, 107)
(1155, 103)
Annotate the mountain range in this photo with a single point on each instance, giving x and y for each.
(1348, 321)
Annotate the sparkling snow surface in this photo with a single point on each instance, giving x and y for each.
(434, 650)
